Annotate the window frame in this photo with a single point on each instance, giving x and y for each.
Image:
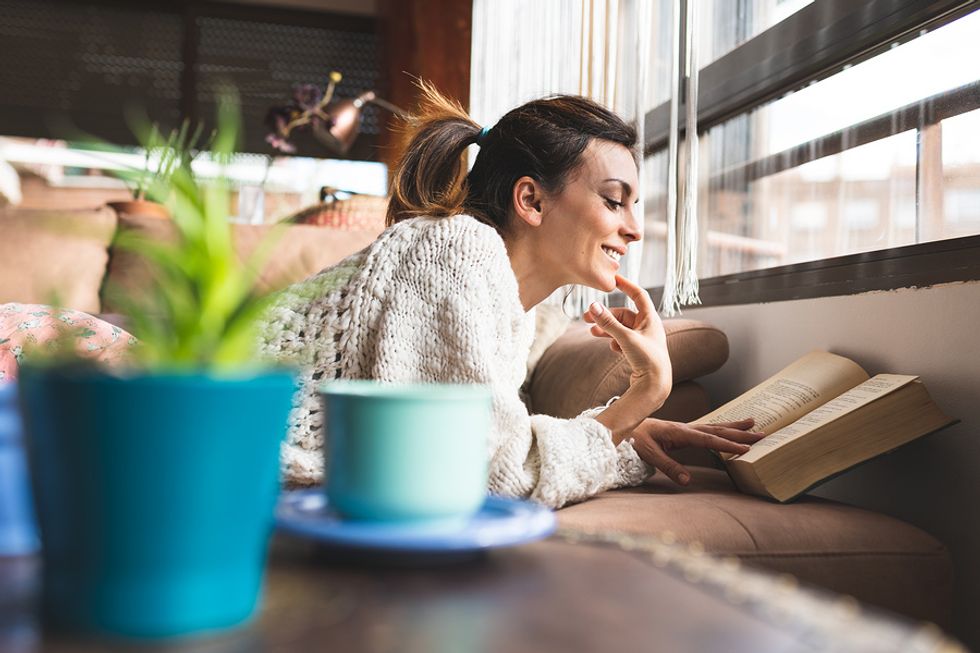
(812, 44)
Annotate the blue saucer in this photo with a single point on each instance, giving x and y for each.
(500, 522)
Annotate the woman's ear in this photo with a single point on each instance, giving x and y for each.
(527, 198)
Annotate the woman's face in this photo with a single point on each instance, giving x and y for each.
(587, 226)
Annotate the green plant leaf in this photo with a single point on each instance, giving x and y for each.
(200, 309)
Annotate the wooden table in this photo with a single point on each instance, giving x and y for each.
(574, 592)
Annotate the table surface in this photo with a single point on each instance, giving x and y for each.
(573, 592)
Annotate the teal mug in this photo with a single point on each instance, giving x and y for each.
(406, 453)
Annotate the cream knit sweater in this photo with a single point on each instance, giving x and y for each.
(435, 300)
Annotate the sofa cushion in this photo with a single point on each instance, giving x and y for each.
(875, 558)
(550, 322)
(580, 371)
(687, 402)
(54, 255)
(299, 252)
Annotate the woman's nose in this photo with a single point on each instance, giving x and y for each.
(631, 230)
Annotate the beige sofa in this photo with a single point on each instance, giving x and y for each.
(880, 560)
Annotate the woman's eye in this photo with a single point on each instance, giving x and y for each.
(613, 204)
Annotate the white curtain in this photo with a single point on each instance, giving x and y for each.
(527, 49)
(681, 281)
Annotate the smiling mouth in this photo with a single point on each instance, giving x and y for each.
(611, 253)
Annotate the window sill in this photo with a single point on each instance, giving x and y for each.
(923, 264)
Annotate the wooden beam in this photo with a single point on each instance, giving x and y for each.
(428, 39)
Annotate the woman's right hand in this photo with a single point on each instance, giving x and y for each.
(654, 439)
(639, 335)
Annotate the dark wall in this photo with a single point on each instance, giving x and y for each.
(67, 66)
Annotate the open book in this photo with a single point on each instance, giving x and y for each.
(823, 415)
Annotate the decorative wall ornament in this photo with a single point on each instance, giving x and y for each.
(334, 123)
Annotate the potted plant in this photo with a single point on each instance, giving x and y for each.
(155, 484)
(162, 159)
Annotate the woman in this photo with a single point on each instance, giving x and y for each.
(444, 295)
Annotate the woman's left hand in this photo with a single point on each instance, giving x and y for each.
(654, 438)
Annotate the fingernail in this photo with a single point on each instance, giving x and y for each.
(685, 478)
(595, 308)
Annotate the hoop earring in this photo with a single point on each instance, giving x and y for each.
(564, 304)
(580, 297)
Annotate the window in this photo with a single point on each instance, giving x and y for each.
(865, 139)
(727, 24)
(959, 212)
(264, 189)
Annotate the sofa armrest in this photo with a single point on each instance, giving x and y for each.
(579, 371)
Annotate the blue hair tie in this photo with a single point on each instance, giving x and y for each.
(482, 135)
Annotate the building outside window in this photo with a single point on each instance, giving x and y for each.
(879, 152)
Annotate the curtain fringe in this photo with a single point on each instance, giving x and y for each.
(681, 287)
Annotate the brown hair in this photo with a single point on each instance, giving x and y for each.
(543, 139)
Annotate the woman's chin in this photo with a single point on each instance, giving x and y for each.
(603, 283)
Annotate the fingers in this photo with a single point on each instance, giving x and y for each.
(598, 332)
(709, 441)
(639, 296)
(613, 344)
(743, 424)
(733, 434)
(679, 434)
(653, 455)
(624, 315)
(605, 319)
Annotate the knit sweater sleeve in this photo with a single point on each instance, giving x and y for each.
(473, 330)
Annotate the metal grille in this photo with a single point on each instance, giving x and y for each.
(69, 66)
(264, 60)
(65, 67)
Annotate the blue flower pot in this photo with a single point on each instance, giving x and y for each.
(18, 533)
(155, 496)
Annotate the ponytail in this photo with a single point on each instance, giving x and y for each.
(430, 178)
(542, 139)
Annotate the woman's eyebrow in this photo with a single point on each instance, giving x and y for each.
(627, 189)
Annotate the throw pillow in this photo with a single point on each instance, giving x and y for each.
(360, 212)
(54, 255)
(580, 371)
(24, 327)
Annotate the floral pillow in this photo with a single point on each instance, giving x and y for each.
(35, 326)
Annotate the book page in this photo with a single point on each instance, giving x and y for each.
(849, 401)
(792, 392)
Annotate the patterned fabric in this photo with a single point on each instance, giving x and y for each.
(26, 327)
(361, 212)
